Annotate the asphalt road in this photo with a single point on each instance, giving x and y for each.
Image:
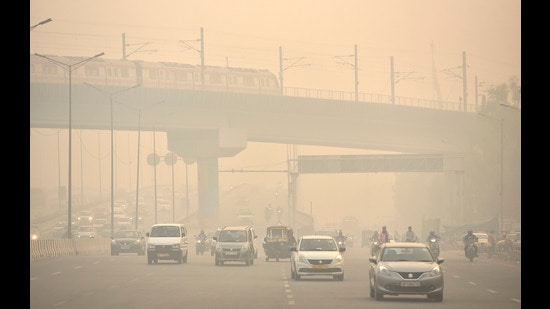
(127, 281)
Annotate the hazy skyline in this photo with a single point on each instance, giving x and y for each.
(249, 33)
(315, 36)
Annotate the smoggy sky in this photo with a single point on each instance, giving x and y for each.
(248, 33)
(315, 35)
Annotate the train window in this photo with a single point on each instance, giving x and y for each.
(215, 78)
(49, 68)
(248, 81)
(153, 74)
(181, 76)
(168, 75)
(91, 71)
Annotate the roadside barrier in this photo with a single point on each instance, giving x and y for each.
(44, 248)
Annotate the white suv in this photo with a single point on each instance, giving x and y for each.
(167, 241)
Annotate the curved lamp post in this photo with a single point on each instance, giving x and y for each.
(111, 95)
(41, 23)
(70, 68)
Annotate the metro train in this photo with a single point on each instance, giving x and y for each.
(161, 75)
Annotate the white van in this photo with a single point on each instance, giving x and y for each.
(167, 241)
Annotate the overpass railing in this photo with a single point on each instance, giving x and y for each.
(375, 98)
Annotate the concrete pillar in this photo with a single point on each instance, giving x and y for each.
(205, 146)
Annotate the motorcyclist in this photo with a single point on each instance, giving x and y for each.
(383, 236)
(202, 236)
(432, 235)
(410, 235)
(341, 238)
(470, 238)
(291, 238)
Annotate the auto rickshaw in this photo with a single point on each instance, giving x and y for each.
(276, 242)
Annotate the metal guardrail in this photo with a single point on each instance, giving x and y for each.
(376, 98)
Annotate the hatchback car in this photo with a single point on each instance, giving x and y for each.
(405, 268)
(128, 241)
(235, 244)
(317, 255)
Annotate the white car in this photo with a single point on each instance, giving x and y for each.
(317, 255)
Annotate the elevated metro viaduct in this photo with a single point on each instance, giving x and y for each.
(203, 126)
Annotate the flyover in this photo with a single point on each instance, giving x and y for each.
(202, 126)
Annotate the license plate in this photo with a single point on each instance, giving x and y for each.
(232, 253)
(320, 266)
(124, 247)
(414, 283)
(163, 255)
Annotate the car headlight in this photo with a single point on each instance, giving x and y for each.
(302, 259)
(435, 272)
(338, 258)
(151, 246)
(175, 246)
(244, 248)
(384, 271)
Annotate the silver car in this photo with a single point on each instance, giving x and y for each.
(317, 255)
(406, 268)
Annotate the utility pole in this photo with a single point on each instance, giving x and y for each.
(138, 49)
(464, 84)
(200, 51)
(354, 66)
(282, 69)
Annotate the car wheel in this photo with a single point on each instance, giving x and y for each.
(180, 260)
(297, 277)
(371, 291)
(156, 260)
(216, 261)
(149, 260)
(338, 277)
(377, 294)
(112, 253)
(185, 257)
(267, 258)
(292, 274)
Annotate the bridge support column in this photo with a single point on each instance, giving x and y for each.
(205, 146)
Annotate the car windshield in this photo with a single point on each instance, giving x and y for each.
(406, 254)
(127, 234)
(232, 236)
(165, 231)
(318, 245)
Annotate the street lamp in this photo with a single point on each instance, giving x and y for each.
(41, 23)
(69, 68)
(111, 95)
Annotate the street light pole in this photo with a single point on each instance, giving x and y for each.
(70, 68)
(41, 23)
(111, 95)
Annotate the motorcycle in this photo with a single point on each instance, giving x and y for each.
(470, 251)
(341, 242)
(200, 246)
(433, 243)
